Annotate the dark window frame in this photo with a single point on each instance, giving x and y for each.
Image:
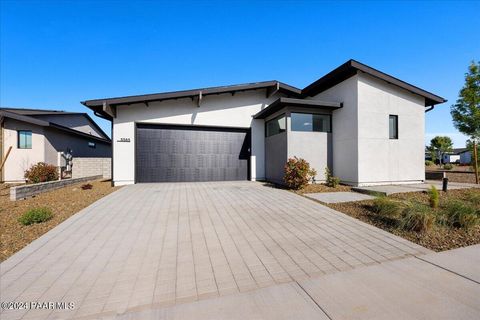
(19, 132)
(320, 114)
(395, 136)
(283, 115)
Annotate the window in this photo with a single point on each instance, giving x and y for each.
(24, 139)
(393, 126)
(275, 126)
(311, 122)
(92, 145)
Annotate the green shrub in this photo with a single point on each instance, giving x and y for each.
(331, 181)
(387, 207)
(433, 197)
(41, 172)
(461, 214)
(35, 215)
(417, 217)
(429, 163)
(448, 166)
(298, 173)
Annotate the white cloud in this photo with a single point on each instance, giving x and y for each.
(457, 138)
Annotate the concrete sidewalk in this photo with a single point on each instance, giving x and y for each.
(416, 187)
(410, 288)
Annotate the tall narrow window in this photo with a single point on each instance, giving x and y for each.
(24, 139)
(393, 126)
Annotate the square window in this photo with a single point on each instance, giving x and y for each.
(393, 126)
(24, 139)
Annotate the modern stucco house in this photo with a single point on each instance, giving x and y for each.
(39, 135)
(356, 120)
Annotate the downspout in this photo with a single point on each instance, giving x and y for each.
(430, 108)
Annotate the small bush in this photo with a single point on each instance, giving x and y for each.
(330, 180)
(298, 173)
(448, 166)
(387, 207)
(433, 197)
(36, 215)
(429, 163)
(461, 214)
(41, 172)
(417, 217)
(86, 186)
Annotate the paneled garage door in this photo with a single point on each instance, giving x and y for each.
(191, 153)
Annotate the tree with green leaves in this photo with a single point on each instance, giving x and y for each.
(439, 146)
(466, 111)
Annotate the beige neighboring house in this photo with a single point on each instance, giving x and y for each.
(40, 135)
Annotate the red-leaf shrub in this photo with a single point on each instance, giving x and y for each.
(41, 172)
(298, 173)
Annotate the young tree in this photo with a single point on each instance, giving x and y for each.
(466, 111)
(439, 146)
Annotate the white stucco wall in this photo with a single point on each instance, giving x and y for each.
(344, 130)
(382, 160)
(216, 110)
(20, 160)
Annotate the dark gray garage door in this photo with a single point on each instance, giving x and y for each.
(178, 153)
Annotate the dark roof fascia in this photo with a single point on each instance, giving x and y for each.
(95, 125)
(351, 67)
(42, 123)
(27, 119)
(37, 112)
(79, 133)
(282, 87)
(283, 102)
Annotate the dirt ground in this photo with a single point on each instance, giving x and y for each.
(63, 202)
(440, 238)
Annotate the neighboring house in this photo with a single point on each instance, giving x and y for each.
(39, 135)
(453, 156)
(356, 120)
(465, 157)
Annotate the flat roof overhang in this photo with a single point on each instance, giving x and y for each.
(352, 67)
(280, 103)
(103, 107)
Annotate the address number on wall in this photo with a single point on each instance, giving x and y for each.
(123, 140)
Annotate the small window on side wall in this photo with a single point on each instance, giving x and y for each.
(393, 126)
(24, 139)
(275, 126)
(92, 145)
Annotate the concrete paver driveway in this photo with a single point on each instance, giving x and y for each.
(165, 244)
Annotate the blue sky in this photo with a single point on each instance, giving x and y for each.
(56, 54)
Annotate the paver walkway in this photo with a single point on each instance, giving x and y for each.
(411, 288)
(414, 187)
(172, 243)
(339, 197)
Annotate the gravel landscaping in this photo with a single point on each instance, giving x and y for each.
(63, 203)
(438, 238)
(320, 187)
